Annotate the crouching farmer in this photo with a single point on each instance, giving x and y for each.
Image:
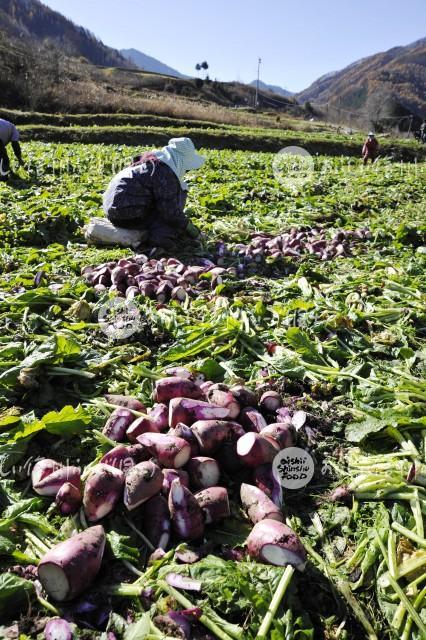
(8, 134)
(151, 194)
(370, 150)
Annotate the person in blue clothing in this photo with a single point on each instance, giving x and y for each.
(8, 134)
(151, 193)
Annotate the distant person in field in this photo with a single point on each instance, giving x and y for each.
(151, 193)
(8, 134)
(370, 150)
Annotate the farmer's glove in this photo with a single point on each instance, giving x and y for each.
(192, 230)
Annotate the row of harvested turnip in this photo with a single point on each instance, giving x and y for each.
(175, 477)
(161, 280)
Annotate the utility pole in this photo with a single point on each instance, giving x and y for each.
(256, 100)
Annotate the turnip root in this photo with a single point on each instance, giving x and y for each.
(182, 431)
(188, 411)
(254, 449)
(186, 513)
(220, 395)
(246, 397)
(102, 491)
(179, 372)
(252, 420)
(273, 542)
(203, 472)
(124, 458)
(281, 433)
(264, 479)
(155, 422)
(68, 499)
(142, 482)
(170, 451)
(156, 522)
(270, 401)
(50, 484)
(176, 387)
(215, 504)
(42, 469)
(71, 566)
(128, 402)
(117, 424)
(58, 629)
(171, 474)
(258, 505)
(210, 434)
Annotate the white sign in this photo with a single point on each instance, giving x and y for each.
(293, 468)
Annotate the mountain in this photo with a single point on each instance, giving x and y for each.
(32, 21)
(387, 83)
(273, 88)
(147, 63)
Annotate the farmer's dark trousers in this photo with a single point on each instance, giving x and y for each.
(4, 164)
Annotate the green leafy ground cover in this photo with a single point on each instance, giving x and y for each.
(343, 340)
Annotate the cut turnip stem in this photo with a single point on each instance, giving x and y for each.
(186, 513)
(182, 582)
(188, 411)
(210, 434)
(275, 543)
(252, 420)
(183, 431)
(124, 458)
(42, 469)
(50, 484)
(170, 451)
(270, 401)
(58, 629)
(215, 504)
(71, 566)
(128, 402)
(258, 505)
(179, 372)
(220, 395)
(280, 433)
(203, 472)
(176, 387)
(171, 474)
(254, 449)
(68, 499)
(117, 424)
(265, 480)
(298, 420)
(246, 397)
(102, 491)
(142, 482)
(156, 522)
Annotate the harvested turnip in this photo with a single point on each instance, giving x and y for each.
(50, 484)
(270, 401)
(102, 491)
(282, 434)
(210, 434)
(176, 387)
(128, 402)
(182, 431)
(171, 474)
(155, 422)
(254, 449)
(275, 543)
(170, 451)
(258, 505)
(188, 411)
(179, 372)
(58, 629)
(215, 504)
(68, 499)
(42, 469)
(71, 566)
(246, 397)
(265, 480)
(117, 424)
(252, 420)
(142, 482)
(156, 522)
(203, 472)
(186, 513)
(220, 395)
(124, 458)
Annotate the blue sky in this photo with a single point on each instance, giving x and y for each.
(297, 41)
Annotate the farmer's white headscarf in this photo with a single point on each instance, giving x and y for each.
(181, 156)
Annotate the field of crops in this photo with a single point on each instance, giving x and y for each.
(339, 335)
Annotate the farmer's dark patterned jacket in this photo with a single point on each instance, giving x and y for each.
(144, 194)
